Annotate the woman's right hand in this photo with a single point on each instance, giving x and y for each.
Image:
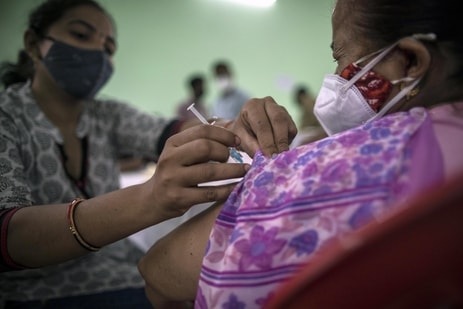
(194, 156)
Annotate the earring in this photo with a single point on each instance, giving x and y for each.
(411, 93)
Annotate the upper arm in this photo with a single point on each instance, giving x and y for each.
(133, 132)
(171, 267)
(15, 190)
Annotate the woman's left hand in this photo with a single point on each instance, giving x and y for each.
(264, 125)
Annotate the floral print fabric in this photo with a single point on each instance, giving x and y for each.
(287, 207)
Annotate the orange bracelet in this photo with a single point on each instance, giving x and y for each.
(73, 228)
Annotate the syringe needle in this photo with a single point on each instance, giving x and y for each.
(193, 109)
(235, 155)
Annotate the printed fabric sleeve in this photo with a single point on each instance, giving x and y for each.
(289, 206)
(135, 132)
(6, 263)
(14, 189)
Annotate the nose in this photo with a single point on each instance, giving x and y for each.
(101, 41)
(96, 43)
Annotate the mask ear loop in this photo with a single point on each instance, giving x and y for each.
(418, 36)
(395, 99)
(404, 79)
(368, 66)
(406, 90)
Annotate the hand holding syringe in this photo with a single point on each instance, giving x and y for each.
(234, 154)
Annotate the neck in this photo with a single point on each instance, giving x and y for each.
(60, 108)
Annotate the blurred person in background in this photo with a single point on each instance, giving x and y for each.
(230, 97)
(196, 91)
(309, 129)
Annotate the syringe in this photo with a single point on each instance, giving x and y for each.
(193, 109)
(234, 154)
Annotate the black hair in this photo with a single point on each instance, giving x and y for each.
(195, 79)
(384, 22)
(40, 20)
(298, 91)
(222, 66)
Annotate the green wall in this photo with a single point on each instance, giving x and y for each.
(161, 42)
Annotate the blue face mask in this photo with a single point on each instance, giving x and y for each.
(79, 72)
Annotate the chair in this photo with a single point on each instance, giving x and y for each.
(412, 259)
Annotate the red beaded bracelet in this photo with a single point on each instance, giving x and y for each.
(73, 228)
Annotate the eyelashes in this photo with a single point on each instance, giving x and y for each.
(84, 37)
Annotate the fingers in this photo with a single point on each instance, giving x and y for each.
(269, 127)
(283, 127)
(190, 158)
(176, 190)
(191, 176)
(199, 144)
(203, 131)
(196, 156)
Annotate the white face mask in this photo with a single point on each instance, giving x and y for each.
(341, 106)
(223, 83)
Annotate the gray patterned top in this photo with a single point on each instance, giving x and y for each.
(31, 172)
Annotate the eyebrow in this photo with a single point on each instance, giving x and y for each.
(92, 28)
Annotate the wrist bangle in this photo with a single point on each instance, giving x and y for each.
(73, 228)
